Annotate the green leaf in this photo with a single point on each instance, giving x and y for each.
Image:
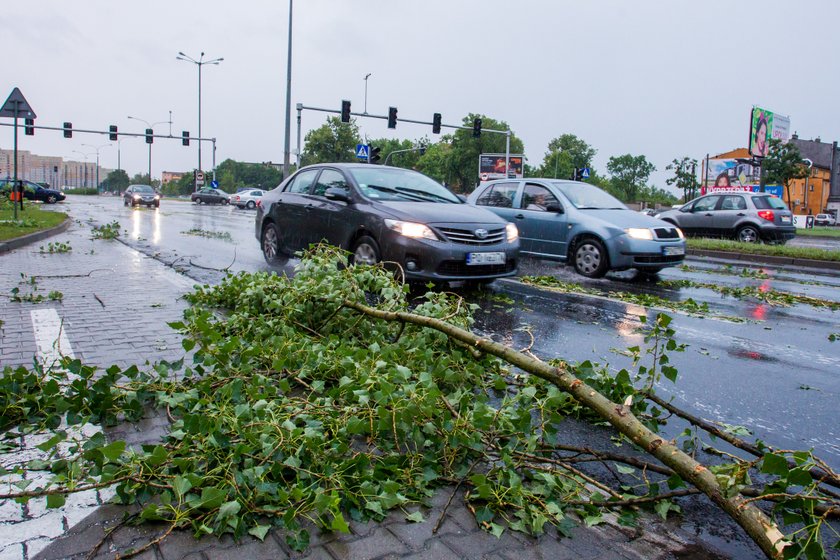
(497, 530)
(113, 451)
(259, 531)
(375, 507)
(774, 464)
(55, 501)
(339, 524)
(52, 442)
(181, 486)
(228, 509)
(416, 517)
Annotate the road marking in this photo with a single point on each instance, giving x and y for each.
(51, 340)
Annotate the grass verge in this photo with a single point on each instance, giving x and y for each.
(30, 220)
(819, 232)
(761, 249)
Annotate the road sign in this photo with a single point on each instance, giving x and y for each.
(24, 110)
(584, 173)
(199, 178)
(214, 184)
(362, 151)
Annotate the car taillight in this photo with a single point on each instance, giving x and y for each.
(766, 215)
(259, 203)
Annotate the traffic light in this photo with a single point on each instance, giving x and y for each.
(113, 133)
(392, 117)
(374, 155)
(68, 130)
(345, 111)
(185, 138)
(436, 124)
(150, 136)
(477, 128)
(29, 127)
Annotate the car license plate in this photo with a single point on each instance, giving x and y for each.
(669, 251)
(785, 219)
(485, 258)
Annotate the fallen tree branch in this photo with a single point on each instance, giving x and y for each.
(756, 523)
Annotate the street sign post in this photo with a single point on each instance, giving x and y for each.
(214, 184)
(362, 151)
(584, 173)
(16, 107)
(199, 178)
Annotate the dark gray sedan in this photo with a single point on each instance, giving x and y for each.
(580, 224)
(746, 216)
(386, 214)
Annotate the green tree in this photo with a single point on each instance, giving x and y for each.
(407, 151)
(333, 141)
(144, 179)
(628, 174)
(116, 181)
(684, 178)
(656, 195)
(234, 175)
(565, 153)
(465, 150)
(437, 161)
(782, 165)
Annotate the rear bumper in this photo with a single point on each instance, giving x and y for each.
(778, 233)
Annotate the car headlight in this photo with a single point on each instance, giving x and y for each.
(680, 233)
(157, 197)
(412, 229)
(136, 197)
(639, 233)
(512, 232)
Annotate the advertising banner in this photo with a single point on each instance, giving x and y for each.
(765, 125)
(492, 166)
(735, 175)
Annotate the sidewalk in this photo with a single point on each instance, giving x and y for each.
(116, 303)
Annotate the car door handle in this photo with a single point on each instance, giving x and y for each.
(519, 217)
(709, 214)
(740, 214)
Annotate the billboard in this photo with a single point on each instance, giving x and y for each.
(735, 175)
(492, 166)
(765, 125)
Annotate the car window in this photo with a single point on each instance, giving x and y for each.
(733, 202)
(537, 198)
(303, 181)
(499, 195)
(767, 202)
(256, 193)
(330, 178)
(705, 204)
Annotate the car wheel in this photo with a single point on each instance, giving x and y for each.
(157, 204)
(591, 258)
(271, 246)
(225, 202)
(125, 202)
(251, 205)
(748, 234)
(365, 251)
(51, 199)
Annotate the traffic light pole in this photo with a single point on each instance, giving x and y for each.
(301, 107)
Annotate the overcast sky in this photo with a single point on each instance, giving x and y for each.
(662, 78)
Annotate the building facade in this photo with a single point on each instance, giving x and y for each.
(54, 171)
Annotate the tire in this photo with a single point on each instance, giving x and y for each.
(365, 251)
(157, 204)
(251, 205)
(748, 234)
(590, 258)
(270, 243)
(51, 199)
(125, 202)
(226, 202)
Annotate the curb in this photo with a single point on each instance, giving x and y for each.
(766, 259)
(23, 240)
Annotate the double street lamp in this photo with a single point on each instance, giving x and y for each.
(199, 63)
(97, 148)
(152, 126)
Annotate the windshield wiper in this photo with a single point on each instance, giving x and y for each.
(409, 196)
(425, 194)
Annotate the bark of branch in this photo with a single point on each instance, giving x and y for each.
(757, 525)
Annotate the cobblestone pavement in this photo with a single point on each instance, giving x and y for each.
(114, 308)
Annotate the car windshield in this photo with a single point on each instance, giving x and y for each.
(379, 183)
(143, 189)
(588, 197)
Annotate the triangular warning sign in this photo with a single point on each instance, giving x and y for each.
(17, 106)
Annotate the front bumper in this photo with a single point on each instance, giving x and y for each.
(643, 254)
(423, 259)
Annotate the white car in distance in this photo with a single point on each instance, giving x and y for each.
(247, 198)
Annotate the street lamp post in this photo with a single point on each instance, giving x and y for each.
(368, 75)
(97, 148)
(200, 62)
(152, 126)
(286, 150)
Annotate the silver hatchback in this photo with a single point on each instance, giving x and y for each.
(746, 216)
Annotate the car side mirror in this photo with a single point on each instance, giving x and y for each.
(554, 208)
(334, 193)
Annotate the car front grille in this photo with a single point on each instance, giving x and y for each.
(666, 233)
(468, 236)
(460, 268)
(659, 259)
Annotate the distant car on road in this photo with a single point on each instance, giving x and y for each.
(745, 216)
(580, 224)
(209, 195)
(390, 215)
(137, 195)
(247, 198)
(33, 191)
(825, 220)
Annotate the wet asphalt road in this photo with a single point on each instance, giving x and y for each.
(776, 372)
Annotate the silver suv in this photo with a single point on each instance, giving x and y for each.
(748, 217)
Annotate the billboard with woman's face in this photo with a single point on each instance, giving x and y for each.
(765, 125)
